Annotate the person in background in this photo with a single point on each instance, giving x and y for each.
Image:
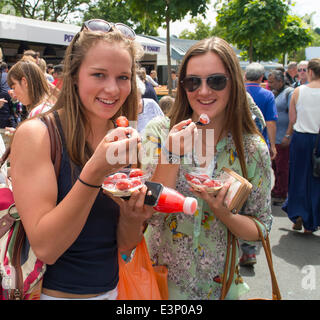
(150, 92)
(50, 68)
(291, 73)
(148, 108)
(4, 67)
(265, 100)
(88, 226)
(150, 79)
(165, 103)
(7, 112)
(280, 164)
(31, 54)
(154, 75)
(58, 76)
(174, 79)
(30, 87)
(302, 74)
(194, 247)
(303, 202)
(43, 67)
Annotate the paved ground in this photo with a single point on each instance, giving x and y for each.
(296, 260)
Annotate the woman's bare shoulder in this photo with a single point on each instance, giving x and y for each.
(32, 129)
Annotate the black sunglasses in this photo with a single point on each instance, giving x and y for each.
(216, 81)
(302, 69)
(105, 26)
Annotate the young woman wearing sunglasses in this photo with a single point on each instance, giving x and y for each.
(194, 247)
(71, 225)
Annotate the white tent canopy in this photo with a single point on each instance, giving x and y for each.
(38, 31)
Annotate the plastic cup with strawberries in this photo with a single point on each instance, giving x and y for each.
(197, 177)
(125, 181)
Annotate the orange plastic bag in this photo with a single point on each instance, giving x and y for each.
(138, 279)
(162, 280)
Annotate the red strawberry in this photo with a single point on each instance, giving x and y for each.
(122, 121)
(124, 184)
(209, 183)
(203, 177)
(196, 181)
(135, 173)
(217, 183)
(108, 180)
(135, 183)
(189, 176)
(204, 119)
(109, 186)
(118, 176)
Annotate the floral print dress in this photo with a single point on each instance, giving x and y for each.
(194, 247)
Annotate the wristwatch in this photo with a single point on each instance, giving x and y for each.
(287, 136)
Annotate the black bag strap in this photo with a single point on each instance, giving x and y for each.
(315, 149)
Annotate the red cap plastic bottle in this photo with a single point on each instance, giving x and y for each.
(171, 201)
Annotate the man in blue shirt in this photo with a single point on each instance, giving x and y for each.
(265, 100)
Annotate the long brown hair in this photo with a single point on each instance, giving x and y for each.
(238, 118)
(73, 117)
(38, 89)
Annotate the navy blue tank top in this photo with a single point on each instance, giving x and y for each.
(90, 265)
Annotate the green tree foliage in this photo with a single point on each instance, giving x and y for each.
(119, 11)
(162, 12)
(247, 22)
(294, 36)
(202, 30)
(48, 10)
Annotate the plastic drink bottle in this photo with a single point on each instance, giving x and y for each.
(171, 201)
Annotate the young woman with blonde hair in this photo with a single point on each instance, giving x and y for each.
(71, 225)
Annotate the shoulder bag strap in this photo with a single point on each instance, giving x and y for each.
(231, 250)
(267, 249)
(55, 142)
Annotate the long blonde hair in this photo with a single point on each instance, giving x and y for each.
(238, 118)
(73, 117)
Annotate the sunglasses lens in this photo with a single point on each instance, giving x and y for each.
(98, 25)
(125, 30)
(191, 83)
(217, 82)
(304, 70)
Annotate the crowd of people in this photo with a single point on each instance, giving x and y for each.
(255, 130)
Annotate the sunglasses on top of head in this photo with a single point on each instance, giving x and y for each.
(105, 26)
(216, 82)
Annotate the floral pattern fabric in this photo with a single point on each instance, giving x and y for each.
(194, 247)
